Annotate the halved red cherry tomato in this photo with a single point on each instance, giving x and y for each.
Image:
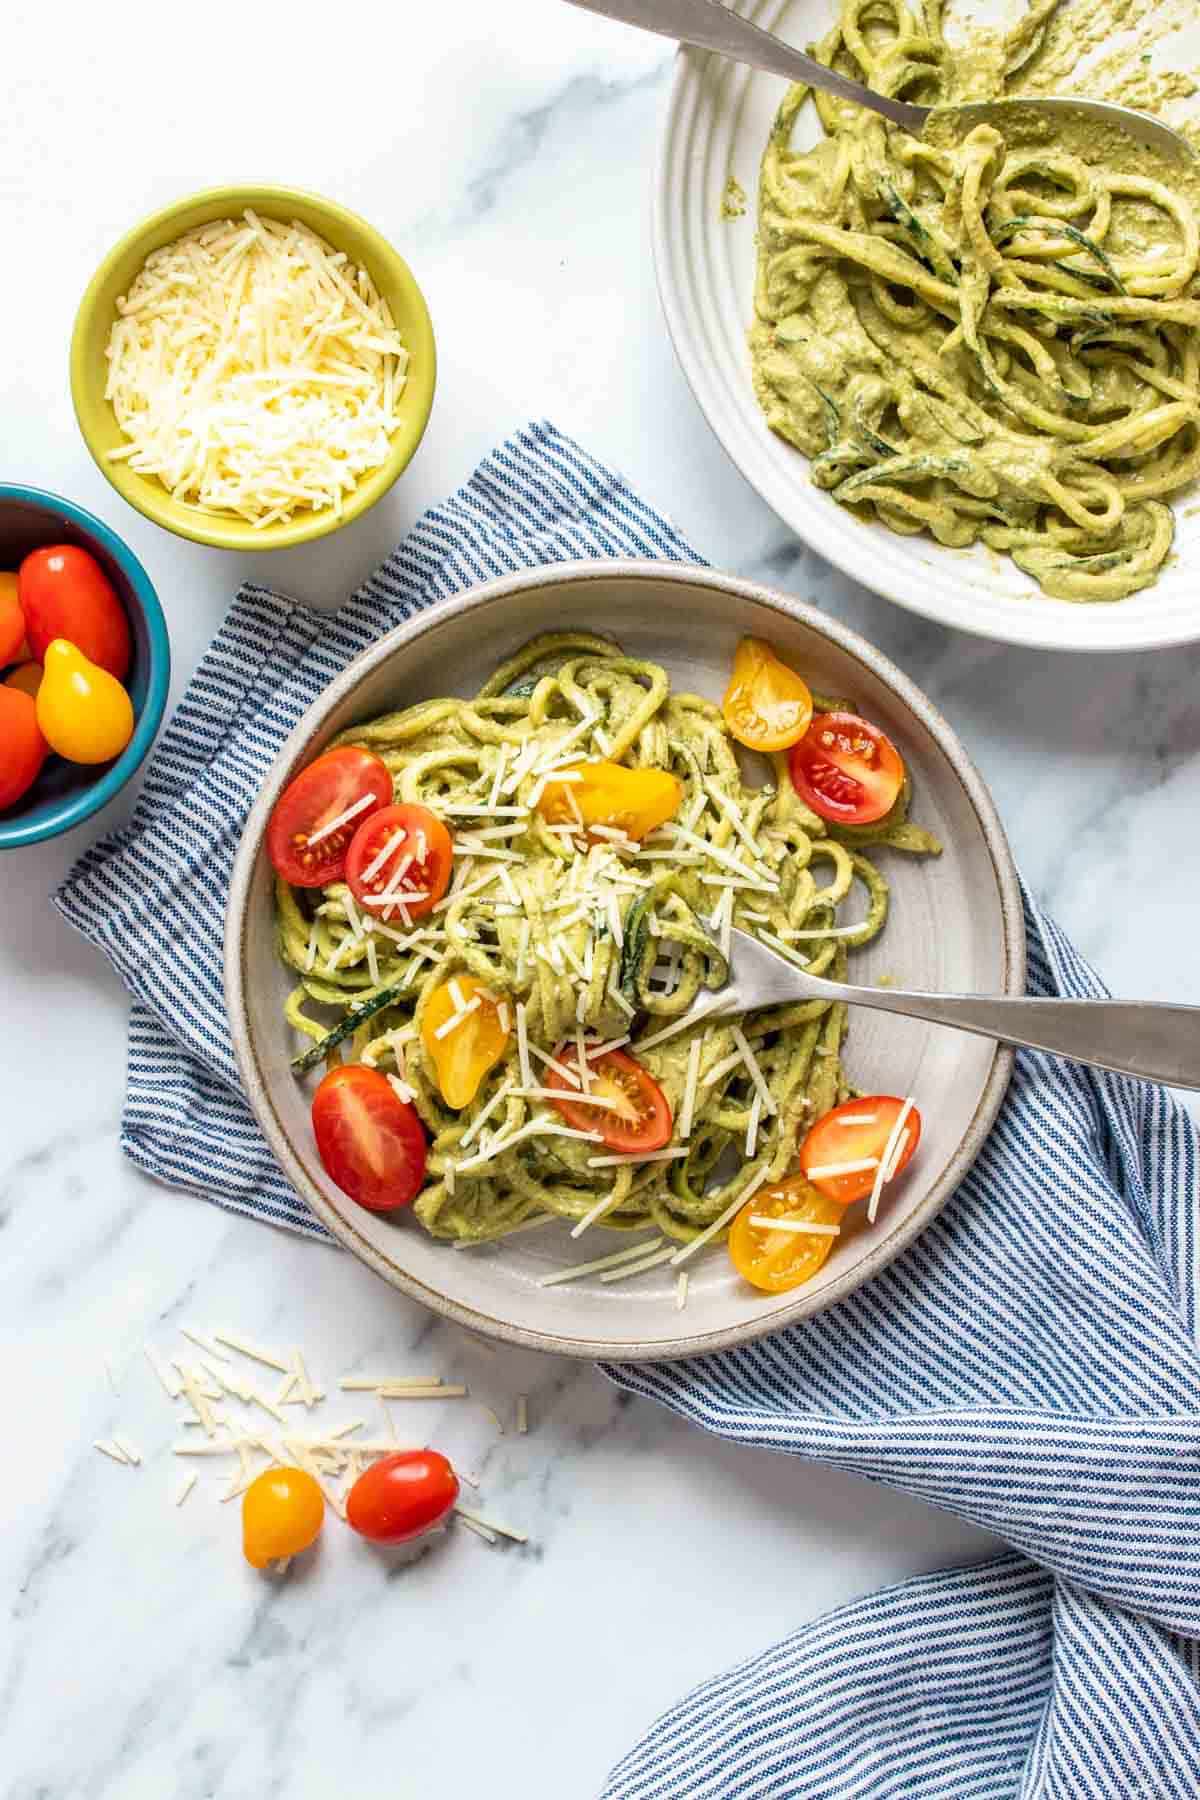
(766, 706)
(402, 1496)
(405, 850)
(858, 1132)
(301, 847)
(846, 769)
(282, 1514)
(64, 593)
(639, 1116)
(371, 1142)
(778, 1260)
(12, 620)
(23, 749)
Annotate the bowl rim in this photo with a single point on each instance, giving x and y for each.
(860, 550)
(297, 746)
(78, 807)
(214, 532)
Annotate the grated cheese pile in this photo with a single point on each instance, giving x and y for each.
(255, 370)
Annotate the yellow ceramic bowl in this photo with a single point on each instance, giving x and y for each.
(98, 308)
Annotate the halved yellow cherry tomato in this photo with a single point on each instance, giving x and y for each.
(778, 1260)
(766, 705)
(83, 712)
(462, 1054)
(282, 1514)
(635, 801)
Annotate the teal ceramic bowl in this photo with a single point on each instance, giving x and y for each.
(65, 794)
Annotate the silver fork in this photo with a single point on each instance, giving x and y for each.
(711, 26)
(1158, 1041)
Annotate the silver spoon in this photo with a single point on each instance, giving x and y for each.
(1158, 1041)
(711, 26)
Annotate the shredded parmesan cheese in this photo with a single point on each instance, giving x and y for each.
(767, 1223)
(885, 1171)
(254, 371)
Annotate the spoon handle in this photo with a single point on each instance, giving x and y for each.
(711, 26)
(1158, 1041)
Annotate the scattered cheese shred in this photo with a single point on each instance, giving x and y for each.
(860, 1167)
(689, 1088)
(480, 1530)
(802, 1226)
(189, 1482)
(170, 1384)
(492, 1525)
(886, 1168)
(639, 1268)
(255, 1352)
(405, 1390)
(601, 1262)
(681, 1290)
(522, 1414)
(722, 1220)
(756, 1074)
(595, 1212)
(523, 1047)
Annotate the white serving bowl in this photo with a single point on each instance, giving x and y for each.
(716, 127)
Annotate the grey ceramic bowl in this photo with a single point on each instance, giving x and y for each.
(956, 924)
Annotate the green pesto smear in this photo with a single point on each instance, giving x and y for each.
(986, 335)
(733, 200)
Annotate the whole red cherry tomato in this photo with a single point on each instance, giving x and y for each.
(12, 620)
(402, 1496)
(23, 749)
(64, 593)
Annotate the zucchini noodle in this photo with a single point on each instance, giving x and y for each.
(983, 337)
(595, 938)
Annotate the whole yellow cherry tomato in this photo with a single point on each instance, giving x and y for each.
(766, 705)
(463, 1056)
(83, 712)
(27, 676)
(778, 1260)
(282, 1514)
(635, 801)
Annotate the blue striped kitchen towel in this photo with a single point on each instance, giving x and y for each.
(137, 894)
(1030, 1363)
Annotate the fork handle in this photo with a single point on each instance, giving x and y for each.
(1156, 1040)
(711, 26)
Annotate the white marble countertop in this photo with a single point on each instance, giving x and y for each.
(506, 150)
